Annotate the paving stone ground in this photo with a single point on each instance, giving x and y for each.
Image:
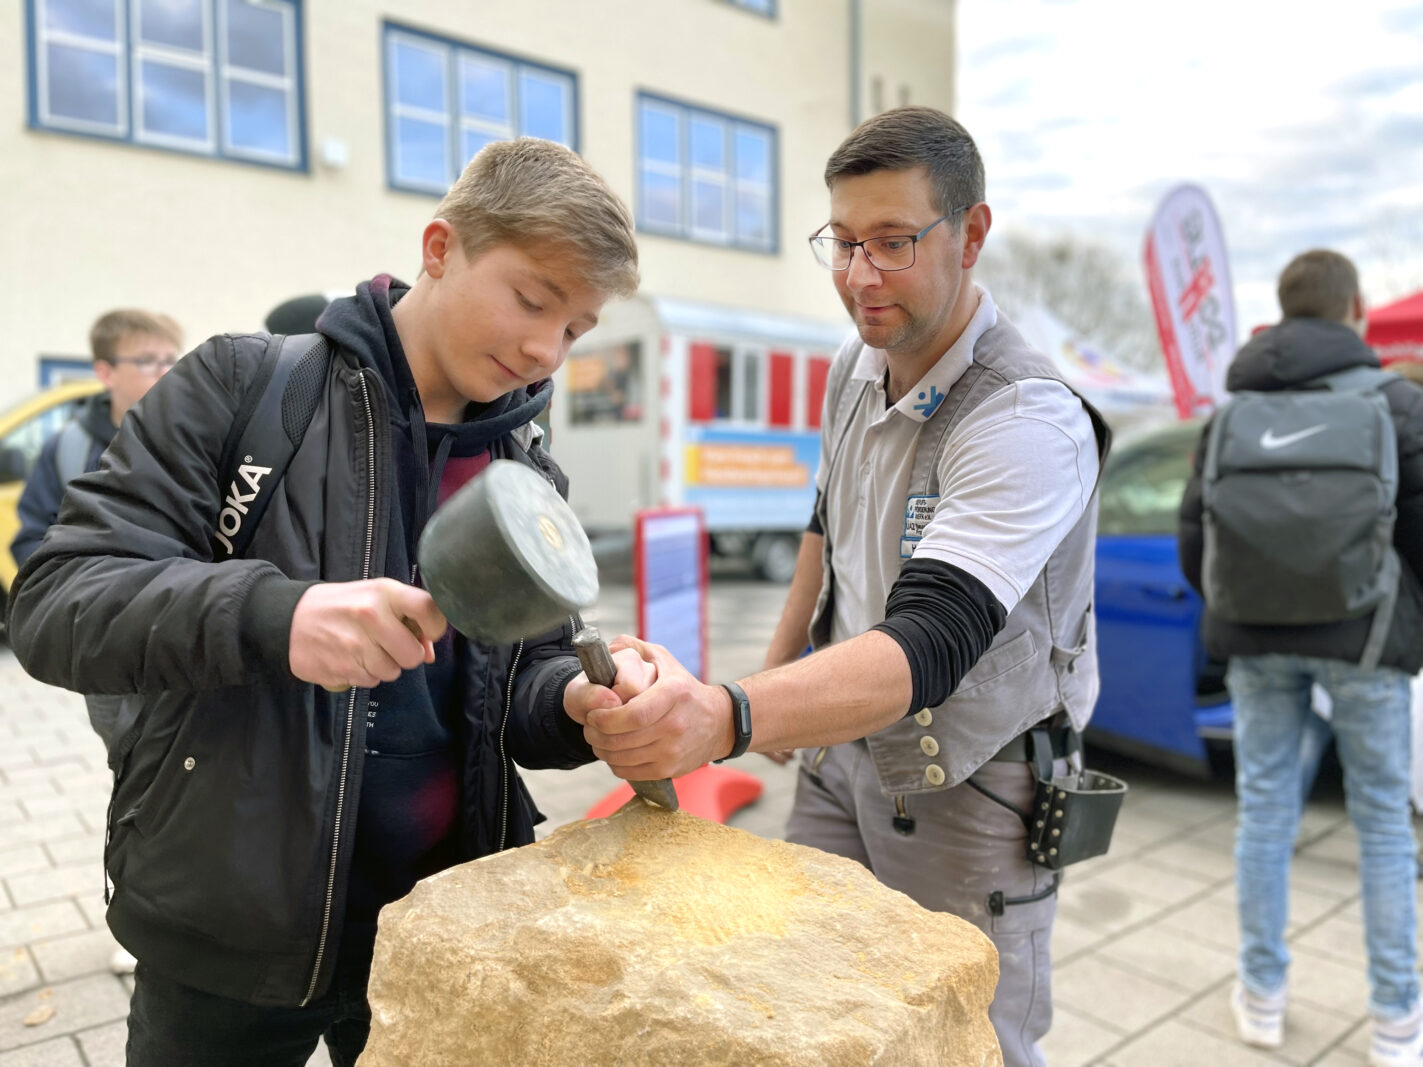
(1143, 947)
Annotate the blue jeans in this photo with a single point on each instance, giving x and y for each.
(1371, 733)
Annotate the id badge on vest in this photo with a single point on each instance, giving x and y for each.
(918, 510)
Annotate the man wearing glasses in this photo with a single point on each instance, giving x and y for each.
(945, 579)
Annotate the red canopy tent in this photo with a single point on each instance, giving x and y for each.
(1396, 330)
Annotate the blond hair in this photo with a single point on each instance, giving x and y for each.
(113, 326)
(531, 191)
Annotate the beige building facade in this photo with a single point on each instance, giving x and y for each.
(211, 158)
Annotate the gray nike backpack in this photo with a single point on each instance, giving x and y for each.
(1299, 497)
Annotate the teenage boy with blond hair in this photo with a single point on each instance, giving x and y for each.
(259, 820)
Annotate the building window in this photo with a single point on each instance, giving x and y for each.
(445, 101)
(726, 383)
(605, 385)
(705, 176)
(212, 77)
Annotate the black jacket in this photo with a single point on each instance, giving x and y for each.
(231, 824)
(1285, 357)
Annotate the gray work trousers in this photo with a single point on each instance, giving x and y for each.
(963, 847)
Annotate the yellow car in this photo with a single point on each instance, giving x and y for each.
(24, 428)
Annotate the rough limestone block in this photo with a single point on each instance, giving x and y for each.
(656, 938)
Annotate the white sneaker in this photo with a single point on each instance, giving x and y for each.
(122, 961)
(1259, 1021)
(1399, 1043)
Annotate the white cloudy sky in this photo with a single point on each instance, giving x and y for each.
(1302, 119)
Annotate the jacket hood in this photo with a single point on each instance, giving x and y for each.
(1294, 352)
(363, 326)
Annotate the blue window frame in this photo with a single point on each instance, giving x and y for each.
(705, 176)
(211, 77)
(446, 100)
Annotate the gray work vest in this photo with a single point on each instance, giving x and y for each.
(1044, 661)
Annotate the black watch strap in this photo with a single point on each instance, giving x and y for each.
(740, 721)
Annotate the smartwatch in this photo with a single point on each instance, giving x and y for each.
(740, 720)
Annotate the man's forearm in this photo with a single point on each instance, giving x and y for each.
(840, 693)
(790, 638)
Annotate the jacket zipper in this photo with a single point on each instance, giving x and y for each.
(350, 706)
(505, 785)
(505, 778)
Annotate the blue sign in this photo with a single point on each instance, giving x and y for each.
(671, 593)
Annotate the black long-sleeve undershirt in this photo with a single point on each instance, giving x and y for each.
(944, 619)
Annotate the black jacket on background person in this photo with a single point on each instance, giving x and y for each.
(44, 488)
(233, 824)
(1285, 357)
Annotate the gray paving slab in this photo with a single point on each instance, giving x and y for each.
(23, 926)
(103, 1046)
(1310, 1029)
(62, 958)
(77, 1005)
(62, 1052)
(17, 971)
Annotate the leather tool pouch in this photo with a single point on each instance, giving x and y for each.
(1073, 815)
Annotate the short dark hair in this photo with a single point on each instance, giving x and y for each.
(297, 315)
(908, 137)
(1319, 284)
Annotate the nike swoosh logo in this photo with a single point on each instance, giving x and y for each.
(1268, 440)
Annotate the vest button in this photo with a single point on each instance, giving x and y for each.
(934, 774)
(189, 763)
(924, 717)
(929, 745)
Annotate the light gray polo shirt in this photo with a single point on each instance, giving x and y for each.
(1015, 477)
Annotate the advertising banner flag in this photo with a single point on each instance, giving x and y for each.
(1189, 277)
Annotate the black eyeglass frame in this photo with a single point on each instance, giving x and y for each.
(817, 237)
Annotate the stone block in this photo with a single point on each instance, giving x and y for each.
(654, 938)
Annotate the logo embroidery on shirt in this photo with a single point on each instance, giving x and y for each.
(918, 510)
(931, 401)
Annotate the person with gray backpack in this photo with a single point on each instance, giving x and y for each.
(132, 349)
(1302, 528)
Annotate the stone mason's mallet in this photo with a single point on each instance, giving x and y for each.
(505, 558)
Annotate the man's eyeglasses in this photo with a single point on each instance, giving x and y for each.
(892, 252)
(149, 364)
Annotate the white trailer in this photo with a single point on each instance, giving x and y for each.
(674, 403)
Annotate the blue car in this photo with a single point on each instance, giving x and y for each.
(1163, 698)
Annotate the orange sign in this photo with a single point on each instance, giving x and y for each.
(745, 466)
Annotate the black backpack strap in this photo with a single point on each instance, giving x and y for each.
(266, 432)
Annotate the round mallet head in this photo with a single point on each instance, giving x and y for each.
(504, 558)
